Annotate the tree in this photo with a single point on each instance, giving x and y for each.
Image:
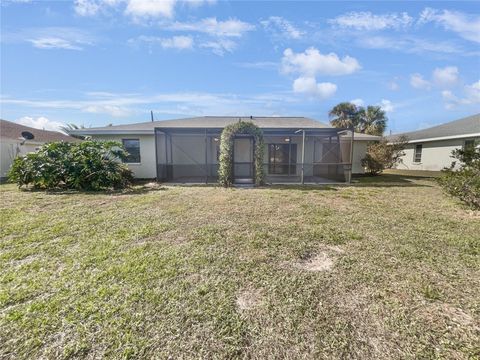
(463, 181)
(345, 115)
(384, 155)
(67, 129)
(370, 120)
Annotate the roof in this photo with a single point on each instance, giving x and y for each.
(212, 122)
(11, 130)
(465, 127)
(216, 122)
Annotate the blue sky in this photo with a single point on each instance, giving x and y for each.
(96, 62)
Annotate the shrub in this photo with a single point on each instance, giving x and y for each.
(463, 182)
(225, 170)
(384, 155)
(87, 165)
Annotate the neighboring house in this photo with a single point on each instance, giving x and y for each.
(13, 144)
(431, 149)
(187, 150)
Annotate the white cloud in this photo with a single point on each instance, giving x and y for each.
(40, 123)
(465, 25)
(309, 86)
(358, 102)
(112, 110)
(54, 38)
(281, 27)
(211, 26)
(175, 42)
(150, 8)
(312, 62)
(446, 76)
(220, 46)
(54, 43)
(138, 10)
(387, 105)
(365, 20)
(180, 103)
(86, 7)
(178, 42)
(410, 45)
(418, 82)
(471, 96)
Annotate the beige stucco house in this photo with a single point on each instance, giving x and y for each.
(431, 148)
(297, 149)
(13, 144)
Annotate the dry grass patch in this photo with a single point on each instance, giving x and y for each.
(318, 262)
(363, 271)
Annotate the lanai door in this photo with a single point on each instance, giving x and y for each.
(243, 160)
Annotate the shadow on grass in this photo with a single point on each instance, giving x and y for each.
(389, 180)
(364, 181)
(133, 190)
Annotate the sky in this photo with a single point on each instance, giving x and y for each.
(100, 62)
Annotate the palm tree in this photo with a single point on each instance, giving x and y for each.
(372, 120)
(345, 115)
(67, 129)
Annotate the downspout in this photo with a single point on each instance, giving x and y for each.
(303, 157)
(351, 157)
(206, 158)
(156, 154)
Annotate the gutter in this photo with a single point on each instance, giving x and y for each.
(440, 138)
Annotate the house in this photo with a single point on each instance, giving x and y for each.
(14, 142)
(297, 149)
(431, 148)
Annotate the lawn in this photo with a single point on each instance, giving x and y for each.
(388, 269)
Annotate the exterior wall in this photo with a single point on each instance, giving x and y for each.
(189, 150)
(9, 149)
(146, 169)
(359, 151)
(435, 155)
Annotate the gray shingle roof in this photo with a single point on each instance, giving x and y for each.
(11, 130)
(216, 122)
(464, 126)
(210, 122)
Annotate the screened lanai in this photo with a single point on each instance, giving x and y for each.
(291, 155)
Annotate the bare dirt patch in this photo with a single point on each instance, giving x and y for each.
(319, 262)
(248, 299)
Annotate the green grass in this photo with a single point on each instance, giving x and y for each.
(206, 272)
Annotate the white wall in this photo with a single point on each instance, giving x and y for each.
(359, 151)
(435, 155)
(9, 149)
(146, 169)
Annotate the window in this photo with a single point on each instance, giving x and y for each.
(417, 154)
(469, 144)
(282, 159)
(133, 148)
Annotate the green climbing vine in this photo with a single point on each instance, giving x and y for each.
(225, 170)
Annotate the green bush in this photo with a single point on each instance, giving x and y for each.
(87, 165)
(463, 182)
(225, 170)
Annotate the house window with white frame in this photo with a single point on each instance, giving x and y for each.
(417, 154)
